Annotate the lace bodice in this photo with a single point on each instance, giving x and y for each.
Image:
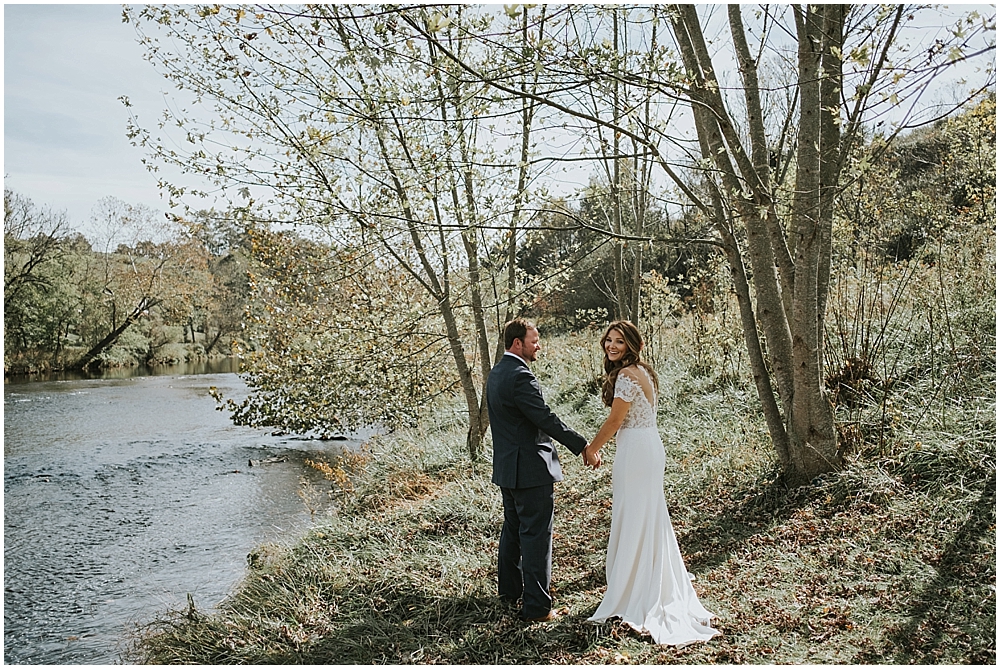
(640, 413)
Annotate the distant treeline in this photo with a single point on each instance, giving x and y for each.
(144, 290)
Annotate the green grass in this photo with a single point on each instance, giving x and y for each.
(891, 560)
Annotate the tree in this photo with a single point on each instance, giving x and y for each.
(220, 307)
(626, 163)
(64, 297)
(571, 260)
(32, 239)
(42, 283)
(335, 339)
(775, 232)
(378, 119)
(788, 243)
(134, 273)
(364, 132)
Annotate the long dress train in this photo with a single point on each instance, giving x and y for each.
(648, 586)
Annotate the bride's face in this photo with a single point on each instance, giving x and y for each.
(615, 346)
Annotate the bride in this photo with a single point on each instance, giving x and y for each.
(648, 585)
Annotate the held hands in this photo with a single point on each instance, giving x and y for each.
(592, 457)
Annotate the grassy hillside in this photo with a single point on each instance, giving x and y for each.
(891, 560)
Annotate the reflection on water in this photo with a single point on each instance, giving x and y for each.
(210, 366)
(121, 496)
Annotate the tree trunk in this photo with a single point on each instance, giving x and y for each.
(621, 295)
(641, 171)
(215, 340)
(636, 275)
(527, 119)
(813, 437)
(751, 335)
(112, 336)
(725, 148)
(788, 285)
(474, 437)
(471, 244)
(467, 216)
(59, 339)
(830, 148)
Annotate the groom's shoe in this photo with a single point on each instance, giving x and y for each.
(551, 615)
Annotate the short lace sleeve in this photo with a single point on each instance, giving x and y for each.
(640, 413)
(626, 388)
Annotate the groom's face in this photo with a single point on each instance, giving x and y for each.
(529, 345)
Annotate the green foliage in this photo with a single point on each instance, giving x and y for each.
(571, 260)
(64, 294)
(39, 282)
(890, 560)
(912, 309)
(334, 340)
(396, 128)
(910, 192)
(166, 344)
(132, 346)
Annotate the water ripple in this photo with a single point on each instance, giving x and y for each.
(121, 497)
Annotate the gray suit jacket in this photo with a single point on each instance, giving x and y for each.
(523, 428)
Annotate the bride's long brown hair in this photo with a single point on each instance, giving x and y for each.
(633, 342)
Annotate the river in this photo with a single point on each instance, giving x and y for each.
(123, 495)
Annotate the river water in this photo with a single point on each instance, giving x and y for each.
(124, 495)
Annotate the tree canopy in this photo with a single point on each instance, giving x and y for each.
(429, 136)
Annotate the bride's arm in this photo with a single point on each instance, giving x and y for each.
(619, 409)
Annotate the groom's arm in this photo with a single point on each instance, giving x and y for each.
(528, 398)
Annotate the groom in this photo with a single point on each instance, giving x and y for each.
(525, 465)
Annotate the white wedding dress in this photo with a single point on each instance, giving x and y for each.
(648, 586)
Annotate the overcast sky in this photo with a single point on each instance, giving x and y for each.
(65, 66)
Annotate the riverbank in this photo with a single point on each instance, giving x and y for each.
(40, 364)
(195, 364)
(206, 365)
(891, 560)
